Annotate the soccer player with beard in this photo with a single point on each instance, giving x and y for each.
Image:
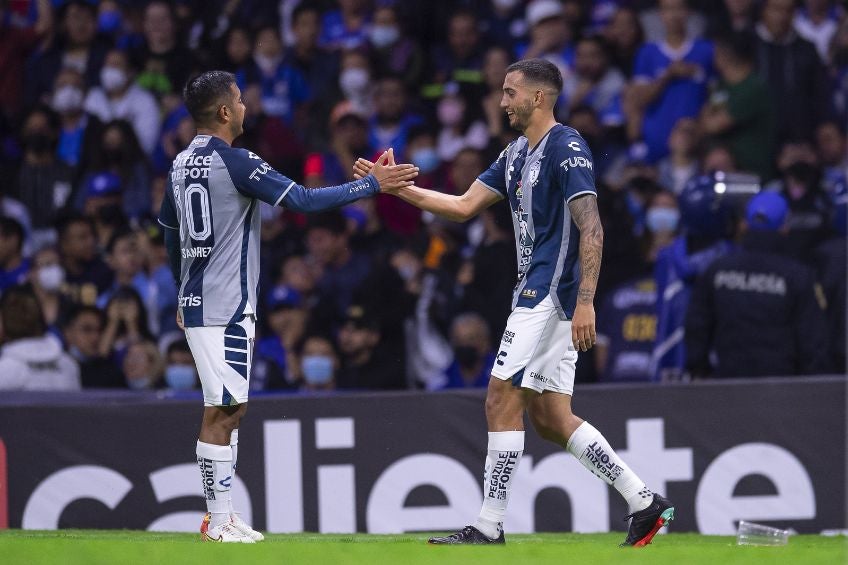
(212, 218)
(547, 176)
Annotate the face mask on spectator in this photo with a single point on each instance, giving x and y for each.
(109, 22)
(266, 64)
(662, 219)
(67, 99)
(383, 36)
(112, 79)
(141, 383)
(466, 355)
(180, 377)
(317, 369)
(505, 4)
(353, 82)
(426, 159)
(450, 112)
(51, 277)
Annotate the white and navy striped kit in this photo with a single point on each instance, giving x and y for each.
(212, 201)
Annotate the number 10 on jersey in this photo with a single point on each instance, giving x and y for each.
(196, 211)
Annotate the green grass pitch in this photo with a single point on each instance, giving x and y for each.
(123, 547)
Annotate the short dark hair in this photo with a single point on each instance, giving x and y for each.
(21, 314)
(179, 345)
(65, 221)
(205, 92)
(121, 233)
(538, 71)
(740, 45)
(12, 227)
(332, 220)
(77, 312)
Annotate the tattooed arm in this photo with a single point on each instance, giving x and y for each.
(584, 213)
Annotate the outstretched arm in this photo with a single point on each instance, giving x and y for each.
(584, 213)
(449, 206)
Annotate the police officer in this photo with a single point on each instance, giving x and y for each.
(761, 313)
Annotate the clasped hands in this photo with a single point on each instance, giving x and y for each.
(391, 176)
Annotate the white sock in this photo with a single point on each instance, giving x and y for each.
(505, 449)
(234, 448)
(594, 452)
(216, 466)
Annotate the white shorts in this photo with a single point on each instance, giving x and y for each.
(223, 355)
(536, 351)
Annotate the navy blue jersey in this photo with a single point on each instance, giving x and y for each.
(539, 182)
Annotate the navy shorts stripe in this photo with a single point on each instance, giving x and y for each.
(234, 330)
(517, 378)
(240, 369)
(226, 398)
(238, 356)
(235, 342)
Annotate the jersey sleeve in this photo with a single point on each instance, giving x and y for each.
(255, 178)
(494, 178)
(575, 170)
(167, 213)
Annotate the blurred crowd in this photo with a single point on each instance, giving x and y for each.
(689, 108)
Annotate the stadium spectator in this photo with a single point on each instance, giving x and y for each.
(102, 205)
(355, 80)
(82, 332)
(759, 311)
(495, 63)
(504, 23)
(287, 319)
(670, 80)
(31, 358)
(319, 363)
(282, 88)
(180, 372)
(395, 51)
(460, 58)
(142, 366)
(126, 324)
(347, 27)
(238, 49)
(486, 279)
(551, 36)
(832, 152)
(594, 83)
(47, 277)
(44, 183)
(365, 364)
(86, 275)
(120, 154)
(163, 61)
(118, 97)
(681, 164)
(625, 36)
(19, 36)
(732, 16)
(793, 71)
(817, 22)
(79, 130)
(473, 356)
(707, 224)
(14, 267)
(739, 112)
(462, 127)
(127, 263)
(830, 267)
(349, 139)
(162, 294)
(76, 45)
(339, 270)
(421, 148)
(392, 119)
(810, 208)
